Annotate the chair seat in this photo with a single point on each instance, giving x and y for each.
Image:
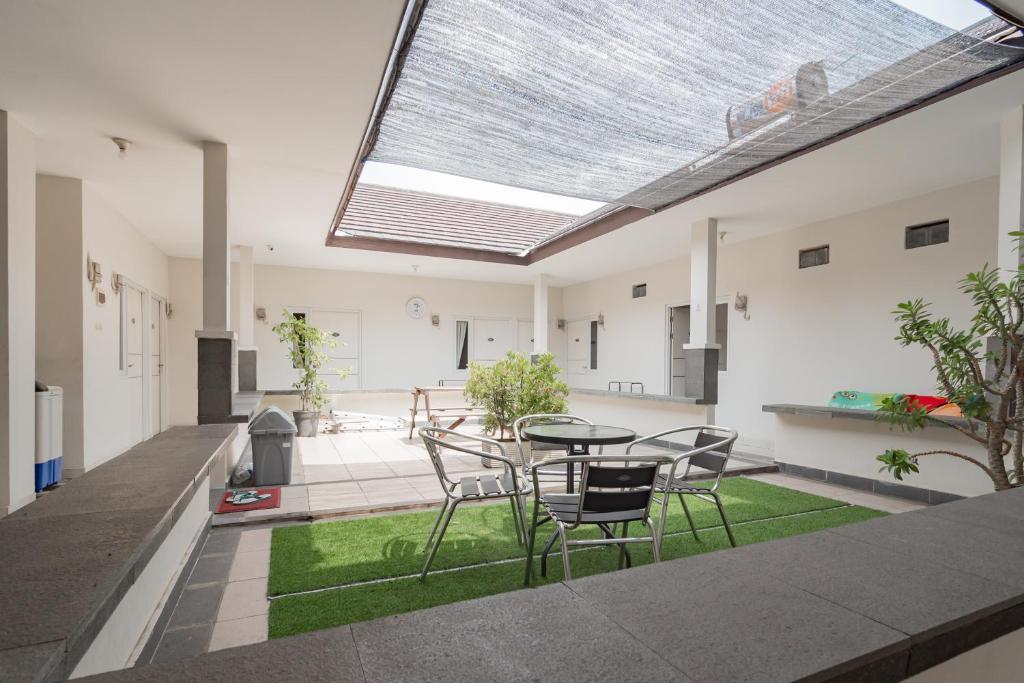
(679, 485)
(563, 506)
(490, 486)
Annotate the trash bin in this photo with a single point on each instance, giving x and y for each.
(272, 434)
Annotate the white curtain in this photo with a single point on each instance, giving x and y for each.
(461, 341)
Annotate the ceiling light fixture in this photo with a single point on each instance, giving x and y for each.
(122, 146)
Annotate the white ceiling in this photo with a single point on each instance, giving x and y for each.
(289, 87)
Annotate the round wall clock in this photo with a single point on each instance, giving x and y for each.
(415, 308)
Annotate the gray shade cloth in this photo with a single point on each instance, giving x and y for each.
(645, 102)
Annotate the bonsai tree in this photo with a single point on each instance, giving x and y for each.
(514, 387)
(980, 369)
(306, 345)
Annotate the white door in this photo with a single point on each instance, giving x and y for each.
(343, 328)
(134, 360)
(525, 337)
(492, 339)
(156, 365)
(578, 361)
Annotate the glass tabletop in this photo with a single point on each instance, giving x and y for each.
(579, 434)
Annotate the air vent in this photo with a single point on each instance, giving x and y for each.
(639, 291)
(927, 234)
(818, 256)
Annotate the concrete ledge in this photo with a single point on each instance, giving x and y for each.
(660, 398)
(885, 488)
(826, 606)
(849, 413)
(71, 556)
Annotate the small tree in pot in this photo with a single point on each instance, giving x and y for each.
(514, 387)
(985, 382)
(306, 345)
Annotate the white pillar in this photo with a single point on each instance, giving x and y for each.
(17, 314)
(216, 239)
(540, 314)
(703, 270)
(1011, 188)
(246, 315)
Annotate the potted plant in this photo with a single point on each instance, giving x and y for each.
(514, 387)
(980, 369)
(306, 350)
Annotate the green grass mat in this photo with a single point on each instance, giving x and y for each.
(310, 612)
(335, 553)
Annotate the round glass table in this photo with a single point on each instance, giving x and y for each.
(579, 438)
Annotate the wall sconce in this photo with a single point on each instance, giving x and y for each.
(600, 320)
(116, 283)
(560, 323)
(435, 320)
(93, 272)
(740, 304)
(261, 314)
(168, 310)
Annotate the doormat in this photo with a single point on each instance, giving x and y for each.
(250, 499)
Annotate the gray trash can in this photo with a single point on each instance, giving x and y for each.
(272, 434)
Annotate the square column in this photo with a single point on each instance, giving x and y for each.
(702, 351)
(217, 366)
(246, 321)
(1011, 189)
(17, 314)
(540, 315)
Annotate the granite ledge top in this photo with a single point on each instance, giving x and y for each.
(851, 413)
(659, 398)
(807, 607)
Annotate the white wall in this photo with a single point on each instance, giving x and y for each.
(810, 331)
(17, 314)
(110, 239)
(79, 338)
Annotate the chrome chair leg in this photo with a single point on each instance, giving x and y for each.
(655, 541)
(689, 517)
(544, 553)
(567, 571)
(437, 543)
(515, 519)
(725, 520)
(622, 546)
(433, 530)
(530, 544)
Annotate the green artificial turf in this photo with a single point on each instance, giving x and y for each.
(333, 554)
(313, 611)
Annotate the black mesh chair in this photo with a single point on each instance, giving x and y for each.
(711, 449)
(610, 493)
(507, 484)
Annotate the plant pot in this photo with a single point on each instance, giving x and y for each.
(307, 422)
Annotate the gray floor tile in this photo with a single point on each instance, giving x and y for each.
(211, 569)
(197, 605)
(183, 643)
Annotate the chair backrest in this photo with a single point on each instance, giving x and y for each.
(540, 418)
(713, 460)
(625, 488)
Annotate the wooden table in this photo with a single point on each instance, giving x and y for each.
(458, 414)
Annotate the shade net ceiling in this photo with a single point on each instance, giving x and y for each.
(644, 103)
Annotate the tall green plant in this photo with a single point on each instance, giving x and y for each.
(514, 387)
(306, 350)
(980, 369)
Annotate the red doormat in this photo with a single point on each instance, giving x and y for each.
(274, 501)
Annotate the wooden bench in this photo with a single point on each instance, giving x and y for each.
(458, 414)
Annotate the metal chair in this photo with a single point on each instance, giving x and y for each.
(609, 494)
(711, 449)
(528, 464)
(507, 484)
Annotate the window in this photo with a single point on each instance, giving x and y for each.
(817, 256)
(639, 291)
(461, 344)
(927, 234)
(593, 345)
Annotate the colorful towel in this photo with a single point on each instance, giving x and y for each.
(929, 403)
(948, 410)
(857, 400)
(249, 499)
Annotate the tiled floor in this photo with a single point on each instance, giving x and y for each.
(224, 603)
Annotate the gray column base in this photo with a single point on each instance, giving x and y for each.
(701, 375)
(247, 369)
(216, 370)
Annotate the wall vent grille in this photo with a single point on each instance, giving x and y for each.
(816, 256)
(639, 291)
(927, 234)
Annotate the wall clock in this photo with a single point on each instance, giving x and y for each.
(415, 307)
